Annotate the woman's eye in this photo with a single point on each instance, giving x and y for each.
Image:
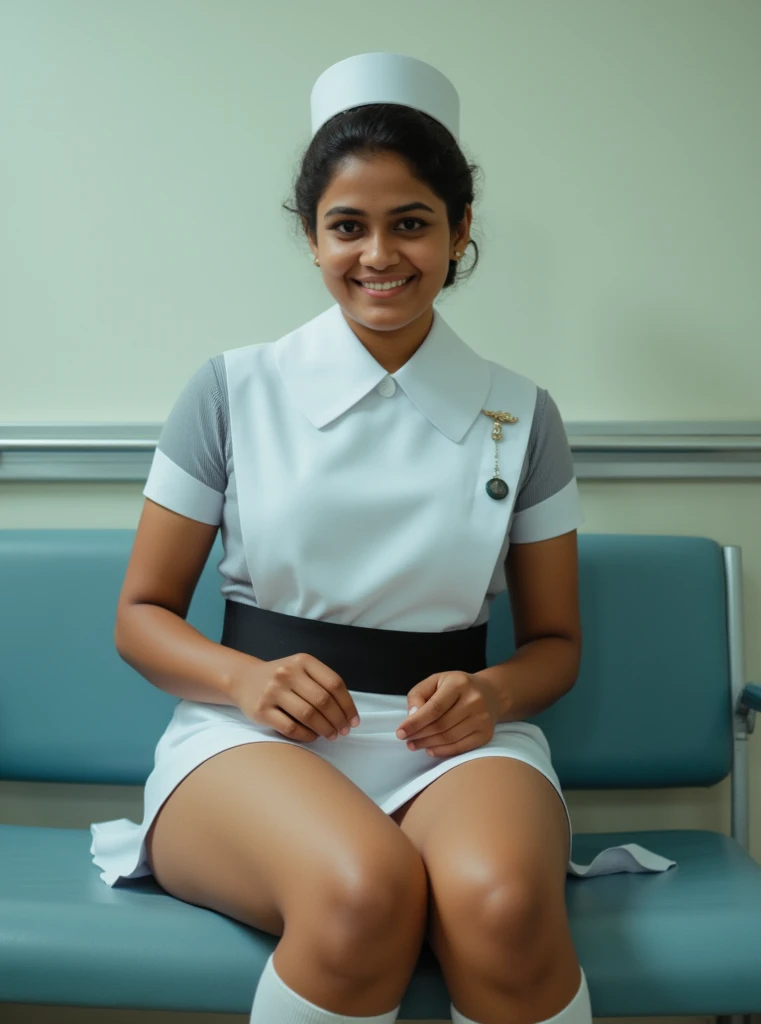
(411, 224)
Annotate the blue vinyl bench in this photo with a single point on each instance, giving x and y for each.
(661, 701)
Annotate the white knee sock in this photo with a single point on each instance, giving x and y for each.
(275, 1003)
(578, 1011)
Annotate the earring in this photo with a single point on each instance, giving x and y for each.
(316, 262)
(457, 255)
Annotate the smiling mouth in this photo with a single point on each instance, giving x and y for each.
(385, 288)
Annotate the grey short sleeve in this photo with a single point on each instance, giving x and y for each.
(549, 463)
(195, 431)
(547, 503)
(189, 469)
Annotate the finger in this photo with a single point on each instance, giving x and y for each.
(421, 691)
(437, 705)
(334, 684)
(454, 717)
(289, 727)
(306, 713)
(439, 737)
(471, 742)
(323, 701)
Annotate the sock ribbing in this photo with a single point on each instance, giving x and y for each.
(274, 1001)
(578, 1011)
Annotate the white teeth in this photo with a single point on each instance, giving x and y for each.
(385, 285)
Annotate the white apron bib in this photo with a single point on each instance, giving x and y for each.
(378, 518)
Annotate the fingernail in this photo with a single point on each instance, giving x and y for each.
(344, 730)
(355, 721)
(334, 736)
(401, 733)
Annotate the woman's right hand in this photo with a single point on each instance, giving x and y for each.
(298, 696)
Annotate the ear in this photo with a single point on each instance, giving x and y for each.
(461, 234)
(312, 241)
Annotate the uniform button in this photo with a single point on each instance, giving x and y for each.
(386, 387)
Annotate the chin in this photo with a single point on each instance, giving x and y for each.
(383, 319)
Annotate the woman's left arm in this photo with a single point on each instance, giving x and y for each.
(543, 585)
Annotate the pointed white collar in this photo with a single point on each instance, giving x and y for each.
(327, 370)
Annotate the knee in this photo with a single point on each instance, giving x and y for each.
(513, 912)
(372, 905)
(515, 923)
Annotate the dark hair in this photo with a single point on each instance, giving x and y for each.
(430, 149)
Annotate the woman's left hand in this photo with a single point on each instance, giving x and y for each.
(456, 712)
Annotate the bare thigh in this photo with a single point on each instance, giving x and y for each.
(262, 827)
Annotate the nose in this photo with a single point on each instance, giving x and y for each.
(379, 252)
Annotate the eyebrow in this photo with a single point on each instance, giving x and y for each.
(354, 212)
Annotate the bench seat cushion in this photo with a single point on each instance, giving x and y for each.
(683, 942)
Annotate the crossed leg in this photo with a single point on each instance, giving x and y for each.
(493, 835)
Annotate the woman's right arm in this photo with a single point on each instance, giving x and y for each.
(151, 634)
(298, 696)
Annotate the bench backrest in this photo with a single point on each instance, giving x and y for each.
(651, 706)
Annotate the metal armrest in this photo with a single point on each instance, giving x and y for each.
(749, 702)
(742, 695)
(751, 696)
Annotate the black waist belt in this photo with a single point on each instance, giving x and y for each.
(372, 660)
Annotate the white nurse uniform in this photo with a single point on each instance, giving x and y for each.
(350, 495)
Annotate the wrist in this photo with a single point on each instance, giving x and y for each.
(494, 678)
(235, 672)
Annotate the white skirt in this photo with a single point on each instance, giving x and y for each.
(371, 755)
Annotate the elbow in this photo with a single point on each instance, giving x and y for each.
(568, 657)
(119, 635)
(121, 629)
(574, 643)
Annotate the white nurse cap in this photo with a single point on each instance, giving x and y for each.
(385, 78)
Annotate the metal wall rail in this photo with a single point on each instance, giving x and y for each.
(601, 451)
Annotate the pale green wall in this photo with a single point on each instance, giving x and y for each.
(146, 147)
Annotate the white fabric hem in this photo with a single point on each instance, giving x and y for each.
(172, 487)
(127, 864)
(552, 517)
(118, 847)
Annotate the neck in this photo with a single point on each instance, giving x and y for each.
(393, 348)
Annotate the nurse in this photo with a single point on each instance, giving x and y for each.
(342, 769)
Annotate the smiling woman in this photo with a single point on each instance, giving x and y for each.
(365, 171)
(385, 267)
(370, 514)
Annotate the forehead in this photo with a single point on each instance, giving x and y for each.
(376, 179)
